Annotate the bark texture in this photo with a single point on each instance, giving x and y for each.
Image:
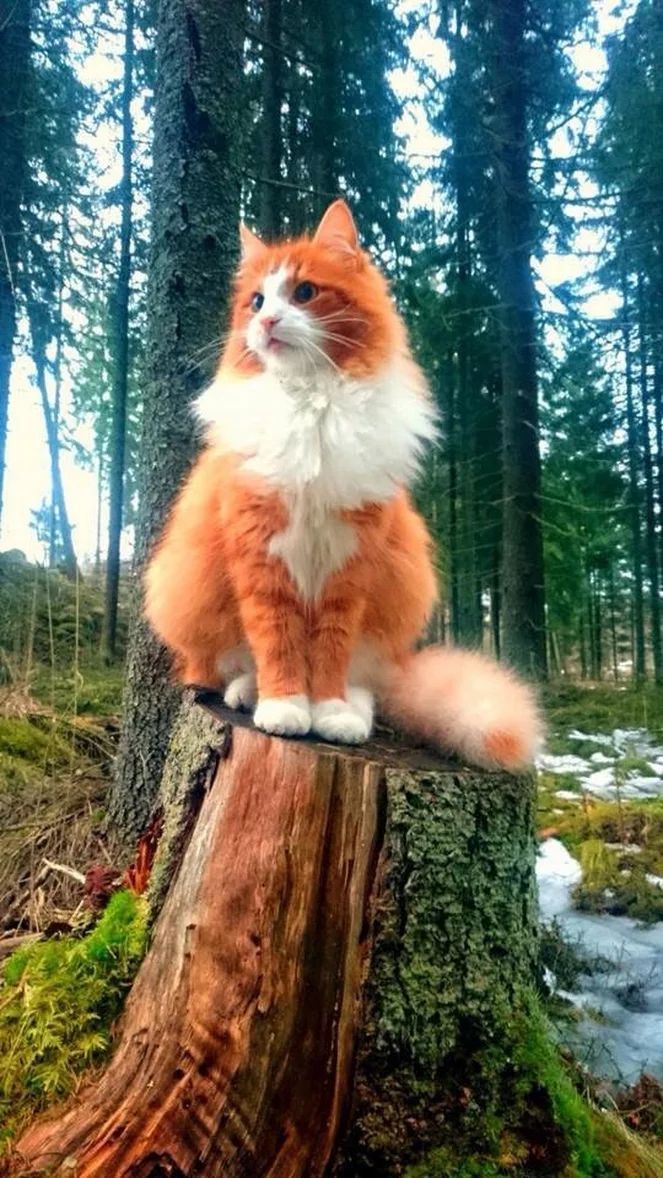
(523, 618)
(52, 437)
(15, 16)
(343, 927)
(199, 119)
(271, 140)
(633, 451)
(121, 348)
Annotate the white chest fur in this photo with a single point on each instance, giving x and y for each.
(328, 441)
(315, 544)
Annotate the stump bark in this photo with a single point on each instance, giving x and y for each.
(342, 928)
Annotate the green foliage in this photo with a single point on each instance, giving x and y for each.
(599, 866)
(541, 1122)
(602, 708)
(445, 1163)
(584, 492)
(538, 1062)
(29, 749)
(47, 619)
(567, 960)
(58, 1000)
(95, 689)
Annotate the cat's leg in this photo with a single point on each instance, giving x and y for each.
(342, 704)
(271, 612)
(238, 671)
(341, 711)
(273, 621)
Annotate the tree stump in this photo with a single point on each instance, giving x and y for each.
(343, 927)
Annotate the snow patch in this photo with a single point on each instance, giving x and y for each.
(628, 993)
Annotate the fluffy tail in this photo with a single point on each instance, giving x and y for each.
(464, 703)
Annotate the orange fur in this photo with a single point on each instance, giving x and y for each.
(220, 600)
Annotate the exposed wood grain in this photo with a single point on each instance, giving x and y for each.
(339, 918)
(239, 1033)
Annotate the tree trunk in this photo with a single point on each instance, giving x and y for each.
(634, 487)
(120, 352)
(452, 496)
(326, 99)
(198, 138)
(650, 509)
(272, 136)
(345, 930)
(57, 392)
(658, 429)
(15, 16)
(64, 526)
(100, 499)
(294, 201)
(613, 626)
(496, 604)
(523, 616)
(470, 628)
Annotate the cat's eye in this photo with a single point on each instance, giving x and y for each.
(304, 292)
(257, 300)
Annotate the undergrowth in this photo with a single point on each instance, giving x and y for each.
(53, 781)
(602, 707)
(58, 1001)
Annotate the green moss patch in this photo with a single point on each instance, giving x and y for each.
(540, 1122)
(28, 750)
(58, 1001)
(602, 708)
(618, 844)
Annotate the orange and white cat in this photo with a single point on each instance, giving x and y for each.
(293, 571)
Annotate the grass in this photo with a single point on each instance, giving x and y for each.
(613, 881)
(602, 707)
(96, 690)
(567, 960)
(53, 781)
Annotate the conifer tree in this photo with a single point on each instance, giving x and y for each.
(15, 21)
(198, 136)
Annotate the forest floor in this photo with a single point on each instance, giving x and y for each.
(600, 873)
(57, 740)
(600, 867)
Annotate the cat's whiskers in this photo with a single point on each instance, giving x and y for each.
(309, 343)
(202, 355)
(343, 339)
(340, 317)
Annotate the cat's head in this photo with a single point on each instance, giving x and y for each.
(312, 303)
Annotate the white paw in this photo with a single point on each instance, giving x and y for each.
(363, 702)
(242, 691)
(289, 715)
(341, 721)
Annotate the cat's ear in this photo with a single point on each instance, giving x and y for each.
(252, 246)
(337, 231)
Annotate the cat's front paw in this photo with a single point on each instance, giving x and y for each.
(344, 721)
(288, 715)
(242, 691)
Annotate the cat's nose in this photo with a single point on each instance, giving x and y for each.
(270, 321)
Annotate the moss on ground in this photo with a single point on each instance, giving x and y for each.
(618, 844)
(28, 750)
(58, 1000)
(93, 690)
(601, 707)
(614, 877)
